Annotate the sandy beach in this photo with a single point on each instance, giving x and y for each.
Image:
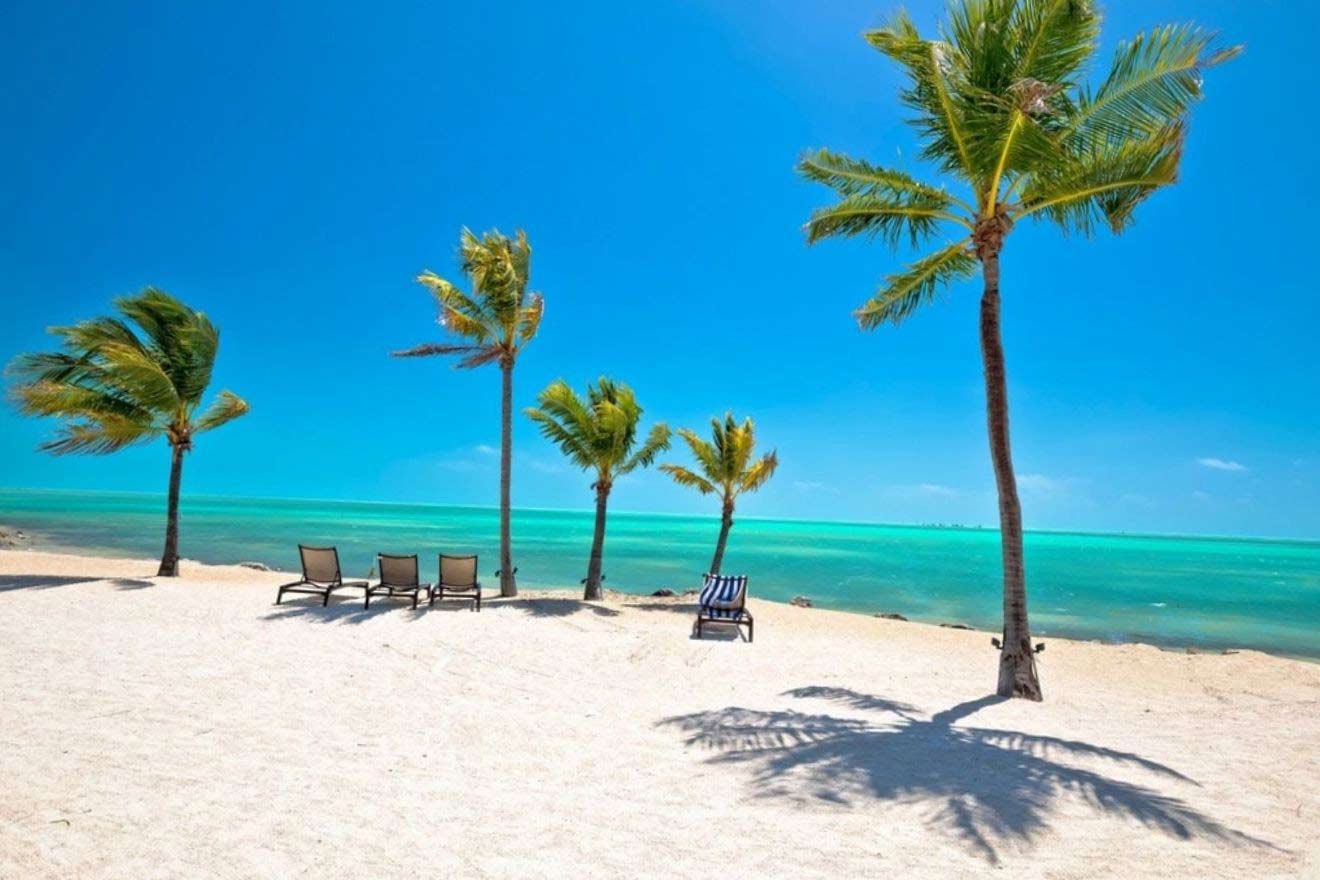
(189, 728)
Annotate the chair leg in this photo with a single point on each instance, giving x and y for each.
(325, 599)
(415, 592)
(751, 631)
(279, 596)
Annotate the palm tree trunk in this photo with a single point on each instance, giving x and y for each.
(508, 586)
(597, 544)
(726, 523)
(1017, 660)
(169, 558)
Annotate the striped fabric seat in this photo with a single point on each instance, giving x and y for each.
(723, 599)
(722, 592)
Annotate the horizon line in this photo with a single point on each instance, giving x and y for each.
(586, 512)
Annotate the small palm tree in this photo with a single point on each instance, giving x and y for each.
(115, 386)
(999, 102)
(495, 322)
(600, 435)
(726, 467)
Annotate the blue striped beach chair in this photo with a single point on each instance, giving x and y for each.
(723, 599)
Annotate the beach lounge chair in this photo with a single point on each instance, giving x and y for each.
(723, 599)
(399, 578)
(321, 575)
(458, 580)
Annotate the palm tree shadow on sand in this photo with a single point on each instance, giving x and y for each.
(989, 787)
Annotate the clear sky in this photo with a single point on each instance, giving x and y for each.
(289, 168)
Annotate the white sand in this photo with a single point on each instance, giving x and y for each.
(188, 728)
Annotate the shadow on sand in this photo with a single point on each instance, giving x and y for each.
(348, 609)
(47, 581)
(553, 607)
(345, 609)
(988, 787)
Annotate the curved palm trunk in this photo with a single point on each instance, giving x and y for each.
(169, 558)
(1017, 660)
(508, 586)
(726, 523)
(597, 545)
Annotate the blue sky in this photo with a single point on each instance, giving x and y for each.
(290, 167)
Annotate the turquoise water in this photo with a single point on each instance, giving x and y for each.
(1205, 592)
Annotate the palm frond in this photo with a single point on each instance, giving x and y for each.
(488, 355)
(903, 292)
(725, 460)
(133, 372)
(224, 409)
(1052, 39)
(101, 437)
(599, 432)
(181, 340)
(1106, 184)
(429, 349)
(684, 477)
(576, 447)
(927, 63)
(854, 177)
(529, 320)
(706, 454)
(71, 400)
(113, 386)
(498, 313)
(888, 218)
(657, 441)
(1155, 78)
(760, 473)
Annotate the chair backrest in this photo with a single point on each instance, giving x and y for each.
(320, 564)
(723, 591)
(398, 571)
(458, 571)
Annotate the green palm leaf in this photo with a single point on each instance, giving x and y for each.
(1154, 80)
(904, 292)
(113, 386)
(599, 433)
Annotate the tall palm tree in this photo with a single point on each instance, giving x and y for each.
(598, 434)
(494, 323)
(114, 386)
(1001, 108)
(726, 467)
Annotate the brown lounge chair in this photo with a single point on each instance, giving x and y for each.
(398, 579)
(723, 599)
(321, 575)
(458, 580)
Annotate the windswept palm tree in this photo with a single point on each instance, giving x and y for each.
(494, 323)
(726, 468)
(1001, 107)
(598, 434)
(114, 386)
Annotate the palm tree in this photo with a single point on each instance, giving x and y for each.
(598, 434)
(726, 467)
(1000, 106)
(115, 386)
(494, 322)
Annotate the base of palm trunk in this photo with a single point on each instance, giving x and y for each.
(591, 594)
(1017, 673)
(509, 588)
(168, 569)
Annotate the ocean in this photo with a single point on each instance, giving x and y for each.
(1206, 593)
